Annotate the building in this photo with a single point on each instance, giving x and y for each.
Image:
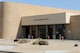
(20, 20)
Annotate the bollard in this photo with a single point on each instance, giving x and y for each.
(62, 38)
(32, 37)
(48, 37)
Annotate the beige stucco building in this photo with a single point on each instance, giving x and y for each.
(21, 20)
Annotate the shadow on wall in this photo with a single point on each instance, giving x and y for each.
(20, 33)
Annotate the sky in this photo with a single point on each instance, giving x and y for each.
(64, 4)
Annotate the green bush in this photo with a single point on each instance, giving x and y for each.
(39, 41)
(36, 41)
(23, 41)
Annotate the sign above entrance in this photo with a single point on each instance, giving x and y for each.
(40, 19)
(58, 18)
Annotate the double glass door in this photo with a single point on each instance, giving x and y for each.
(42, 31)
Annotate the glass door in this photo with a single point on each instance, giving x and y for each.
(60, 29)
(42, 31)
(33, 31)
(50, 31)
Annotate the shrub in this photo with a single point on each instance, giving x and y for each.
(37, 41)
(23, 41)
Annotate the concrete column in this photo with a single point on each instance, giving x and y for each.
(54, 31)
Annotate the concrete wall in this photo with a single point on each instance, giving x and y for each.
(12, 13)
(73, 29)
(1, 18)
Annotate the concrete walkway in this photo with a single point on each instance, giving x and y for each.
(54, 45)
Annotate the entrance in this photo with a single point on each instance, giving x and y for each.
(60, 29)
(51, 31)
(42, 31)
(45, 31)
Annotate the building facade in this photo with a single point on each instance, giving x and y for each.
(21, 20)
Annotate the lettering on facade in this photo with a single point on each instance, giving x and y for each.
(41, 19)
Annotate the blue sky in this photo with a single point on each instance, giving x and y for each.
(65, 4)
